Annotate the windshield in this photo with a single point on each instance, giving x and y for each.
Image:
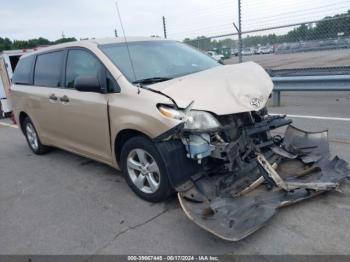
(158, 60)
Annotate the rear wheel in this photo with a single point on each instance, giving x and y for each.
(144, 169)
(33, 138)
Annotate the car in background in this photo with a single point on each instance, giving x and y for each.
(217, 57)
(234, 52)
(247, 52)
(263, 50)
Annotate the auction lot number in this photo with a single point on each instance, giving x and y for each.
(172, 258)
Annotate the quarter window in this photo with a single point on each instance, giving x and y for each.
(23, 74)
(48, 69)
(81, 63)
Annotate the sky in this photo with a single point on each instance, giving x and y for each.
(21, 20)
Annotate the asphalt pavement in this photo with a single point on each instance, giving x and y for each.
(61, 203)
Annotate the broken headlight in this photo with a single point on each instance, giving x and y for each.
(194, 120)
(171, 112)
(200, 120)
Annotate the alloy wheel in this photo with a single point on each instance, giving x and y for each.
(32, 136)
(143, 171)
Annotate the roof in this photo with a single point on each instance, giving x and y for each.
(122, 39)
(99, 41)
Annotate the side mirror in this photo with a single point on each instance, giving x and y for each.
(87, 84)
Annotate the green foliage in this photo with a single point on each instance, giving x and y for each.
(328, 27)
(7, 44)
(64, 40)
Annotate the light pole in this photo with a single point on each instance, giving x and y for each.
(239, 33)
(164, 27)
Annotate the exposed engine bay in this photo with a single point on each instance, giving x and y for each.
(234, 175)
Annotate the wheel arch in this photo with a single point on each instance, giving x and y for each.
(21, 117)
(121, 138)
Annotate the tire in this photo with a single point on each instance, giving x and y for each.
(144, 169)
(32, 138)
(1, 111)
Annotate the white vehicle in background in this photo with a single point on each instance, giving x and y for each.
(247, 51)
(216, 56)
(8, 63)
(265, 50)
(234, 52)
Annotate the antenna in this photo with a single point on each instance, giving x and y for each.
(127, 47)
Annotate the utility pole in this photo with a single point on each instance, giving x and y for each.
(115, 33)
(164, 27)
(239, 32)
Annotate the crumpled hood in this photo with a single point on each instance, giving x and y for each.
(222, 90)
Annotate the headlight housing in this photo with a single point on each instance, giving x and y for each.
(194, 120)
(171, 112)
(201, 120)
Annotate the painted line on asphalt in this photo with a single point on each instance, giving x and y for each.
(8, 125)
(317, 117)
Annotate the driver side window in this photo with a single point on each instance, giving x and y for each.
(81, 63)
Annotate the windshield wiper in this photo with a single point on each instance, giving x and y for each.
(151, 80)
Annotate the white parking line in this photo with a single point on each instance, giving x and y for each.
(8, 125)
(317, 117)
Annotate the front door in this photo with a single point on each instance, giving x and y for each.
(83, 116)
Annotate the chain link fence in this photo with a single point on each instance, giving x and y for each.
(312, 46)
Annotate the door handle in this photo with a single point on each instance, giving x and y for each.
(53, 98)
(64, 99)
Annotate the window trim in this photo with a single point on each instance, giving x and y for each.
(36, 60)
(102, 76)
(31, 72)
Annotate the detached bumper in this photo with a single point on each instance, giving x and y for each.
(298, 169)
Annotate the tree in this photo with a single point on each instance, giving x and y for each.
(328, 27)
(7, 44)
(65, 40)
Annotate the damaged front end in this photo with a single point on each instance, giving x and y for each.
(234, 175)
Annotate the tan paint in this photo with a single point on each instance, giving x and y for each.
(81, 125)
(222, 90)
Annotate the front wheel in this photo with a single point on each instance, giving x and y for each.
(144, 169)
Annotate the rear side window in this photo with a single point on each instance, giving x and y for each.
(23, 74)
(48, 69)
(81, 63)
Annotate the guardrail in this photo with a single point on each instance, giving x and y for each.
(308, 83)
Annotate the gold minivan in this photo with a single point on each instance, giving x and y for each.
(173, 119)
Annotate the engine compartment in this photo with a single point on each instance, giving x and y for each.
(231, 180)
